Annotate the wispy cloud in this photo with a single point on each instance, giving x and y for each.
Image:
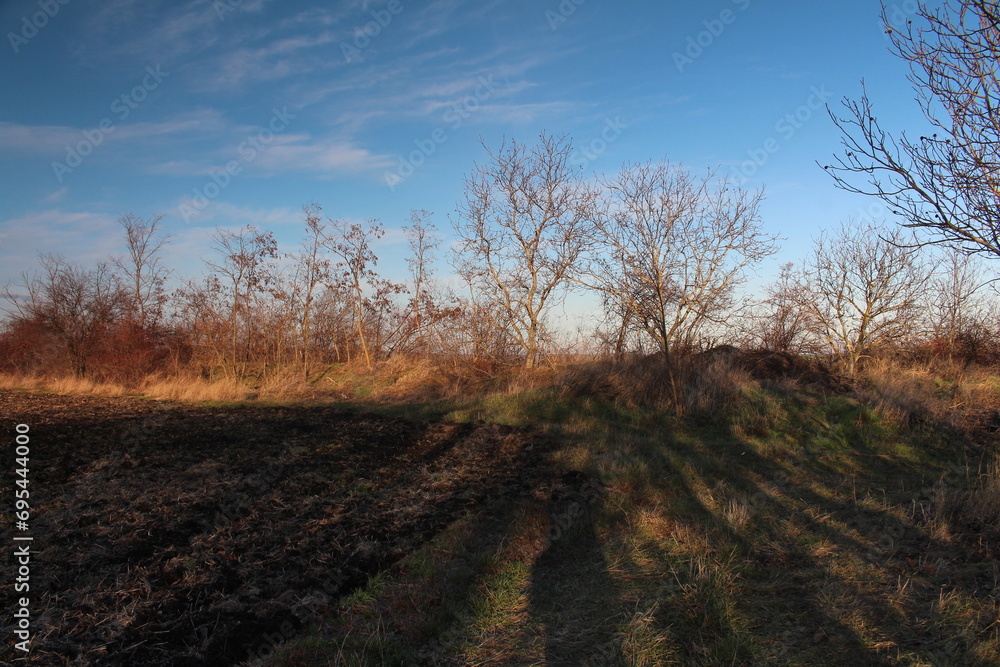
(49, 139)
(56, 196)
(216, 50)
(220, 213)
(316, 156)
(325, 156)
(42, 139)
(150, 28)
(85, 237)
(242, 67)
(422, 88)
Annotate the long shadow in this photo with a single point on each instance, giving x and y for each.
(575, 603)
(902, 546)
(572, 593)
(716, 622)
(331, 515)
(207, 524)
(572, 601)
(886, 541)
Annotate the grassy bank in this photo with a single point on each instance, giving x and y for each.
(781, 520)
(791, 524)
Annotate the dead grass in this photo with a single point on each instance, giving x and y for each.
(176, 388)
(394, 380)
(964, 507)
(61, 385)
(785, 519)
(773, 525)
(189, 389)
(946, 392)
(703, 385)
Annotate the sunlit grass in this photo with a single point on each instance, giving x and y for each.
(774, 524)
(777, 531)
(61, 385)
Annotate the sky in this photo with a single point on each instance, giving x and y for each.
(222, 113)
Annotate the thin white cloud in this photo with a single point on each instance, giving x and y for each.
(324, 16)
(49, 139)
(203, 121)
(496, 86)
(208, 41)
(319, 157)
(37, 138)
(56, 196)
(323, 156)
(181, 168)
(142, 27)
(245, 66)
(222, 213)
(82, 237)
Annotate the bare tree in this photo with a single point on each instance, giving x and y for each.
(333, 332)
(523, 226)
(245, 269)
(312, 272)
(473, 337)
(671, 249)
(863, 286)
(76, 305)
(354, 276)
(421, 235)
(619, 333)
(946, 183)
(144, 272)
(205, 318)
(956, 308)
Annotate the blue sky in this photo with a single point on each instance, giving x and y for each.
(229, 112)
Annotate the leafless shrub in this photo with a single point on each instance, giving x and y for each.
(76, 306)
(780, 322)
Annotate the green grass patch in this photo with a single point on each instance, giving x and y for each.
(779, 530)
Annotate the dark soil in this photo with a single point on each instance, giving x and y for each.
(177, 535)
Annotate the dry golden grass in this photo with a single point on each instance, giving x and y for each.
(394, 380)
(983, 502)
(947, 392)
(61, 385)
(698, 386)
(176, 388)
(716, 387)
(967, 506)
(195, 389)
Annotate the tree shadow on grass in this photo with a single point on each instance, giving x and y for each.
(767, 557)
(211, 526)
(819, 574)
(715, 563)
(572, 597)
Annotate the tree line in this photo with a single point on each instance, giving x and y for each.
(667, 253)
